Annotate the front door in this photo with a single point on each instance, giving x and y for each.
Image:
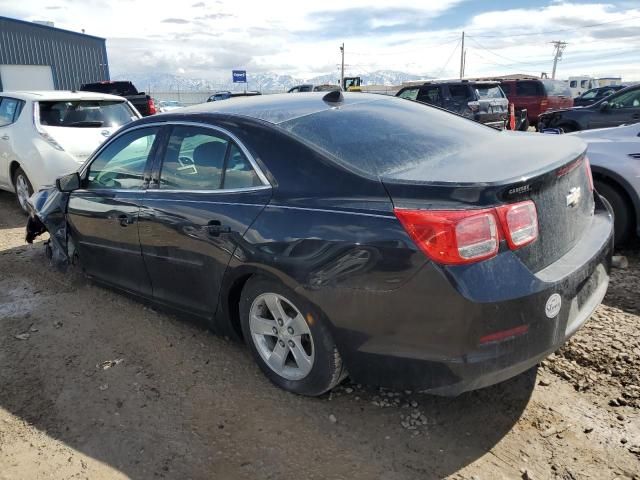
(623, 108)
(103, 214)
(206, 195)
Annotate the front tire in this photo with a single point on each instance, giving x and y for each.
(288, 338)
(23, 188)
(623, 225)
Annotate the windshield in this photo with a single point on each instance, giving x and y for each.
(388, 135)
(556, 88)
(85, 113)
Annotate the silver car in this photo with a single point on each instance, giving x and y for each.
(614, 154)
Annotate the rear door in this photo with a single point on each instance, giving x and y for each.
(103, 215)
(623, 108)
(206, 192)
(492, 104)
(457, 98)
(530, 95)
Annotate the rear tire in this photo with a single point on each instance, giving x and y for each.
(293, 346)
(623, 225)
(23, 188)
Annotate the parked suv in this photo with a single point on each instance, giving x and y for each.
(537, 96)
(484, 102)
(617, 109)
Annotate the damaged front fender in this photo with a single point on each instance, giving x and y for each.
(47, 213)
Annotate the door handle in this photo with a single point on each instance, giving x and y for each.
(125, 220)
(5, 137)
(214, 228)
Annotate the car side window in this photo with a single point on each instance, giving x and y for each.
(429, 95)
(122, 163)
(10, 109)
(527, 89)
(198, 158)
(626, 100)
(409, 94)
(459, 93)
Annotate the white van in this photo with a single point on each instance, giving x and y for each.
(579, 85)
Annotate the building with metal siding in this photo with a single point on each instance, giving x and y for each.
(74, 58)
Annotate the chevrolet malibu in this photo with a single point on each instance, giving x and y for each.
(345, 234)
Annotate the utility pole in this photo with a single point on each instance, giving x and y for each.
(559, 47)
(462, 57)
(342, 66)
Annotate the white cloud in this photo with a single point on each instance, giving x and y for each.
(210, 37)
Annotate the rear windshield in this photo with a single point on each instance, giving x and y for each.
(489, 91)
(387, 135)
(112, 88)
(556, 88)
(85, 113)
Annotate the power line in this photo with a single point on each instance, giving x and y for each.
(557, 31)
(448, 60)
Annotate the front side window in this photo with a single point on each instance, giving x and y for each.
(122, 163)
(203, 159)
(573, 84)
(9, 110)
(584, 83)
(590, 94)
(85, 113)
(409, 93)
(626, 100)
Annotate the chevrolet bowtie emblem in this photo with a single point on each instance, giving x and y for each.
(574, 197)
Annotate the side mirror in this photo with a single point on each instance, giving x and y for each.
(68, 183)
(604, 106)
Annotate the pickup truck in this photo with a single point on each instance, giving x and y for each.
(143, 102)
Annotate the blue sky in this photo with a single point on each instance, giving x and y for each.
(207, 38)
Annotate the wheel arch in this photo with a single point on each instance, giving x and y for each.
(622, 185)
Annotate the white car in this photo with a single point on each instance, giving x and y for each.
(44, 135)
(614, 154)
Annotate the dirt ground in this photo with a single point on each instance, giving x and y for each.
(96, 385)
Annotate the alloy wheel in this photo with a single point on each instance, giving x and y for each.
(281, 336)
(22, 190)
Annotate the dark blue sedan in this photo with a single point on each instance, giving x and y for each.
(345, 234)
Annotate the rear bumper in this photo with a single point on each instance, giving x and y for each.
(451, 330)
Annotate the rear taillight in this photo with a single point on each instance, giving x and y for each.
(474, 106)
(452, 237)
(544, 104)
(519, 223)
(152, 107)
(458, 237)
(587, 166)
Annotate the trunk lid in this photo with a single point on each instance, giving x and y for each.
(79, 142)
(514, 167)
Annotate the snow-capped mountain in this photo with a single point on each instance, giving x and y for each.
(265, 82)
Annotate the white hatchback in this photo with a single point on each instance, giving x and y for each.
(44, 135)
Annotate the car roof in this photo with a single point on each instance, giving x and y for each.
(281, 107)
(45, 95)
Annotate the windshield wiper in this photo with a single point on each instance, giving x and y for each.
(86, 123)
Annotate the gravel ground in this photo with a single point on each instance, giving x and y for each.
(96, 385)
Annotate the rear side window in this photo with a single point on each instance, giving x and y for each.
(529, 89)
(85, 113)
(573, 84)
(429, 95)
(556, 88)
(489, 91)
(204, 159)
(459, 92)
(10, 109)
